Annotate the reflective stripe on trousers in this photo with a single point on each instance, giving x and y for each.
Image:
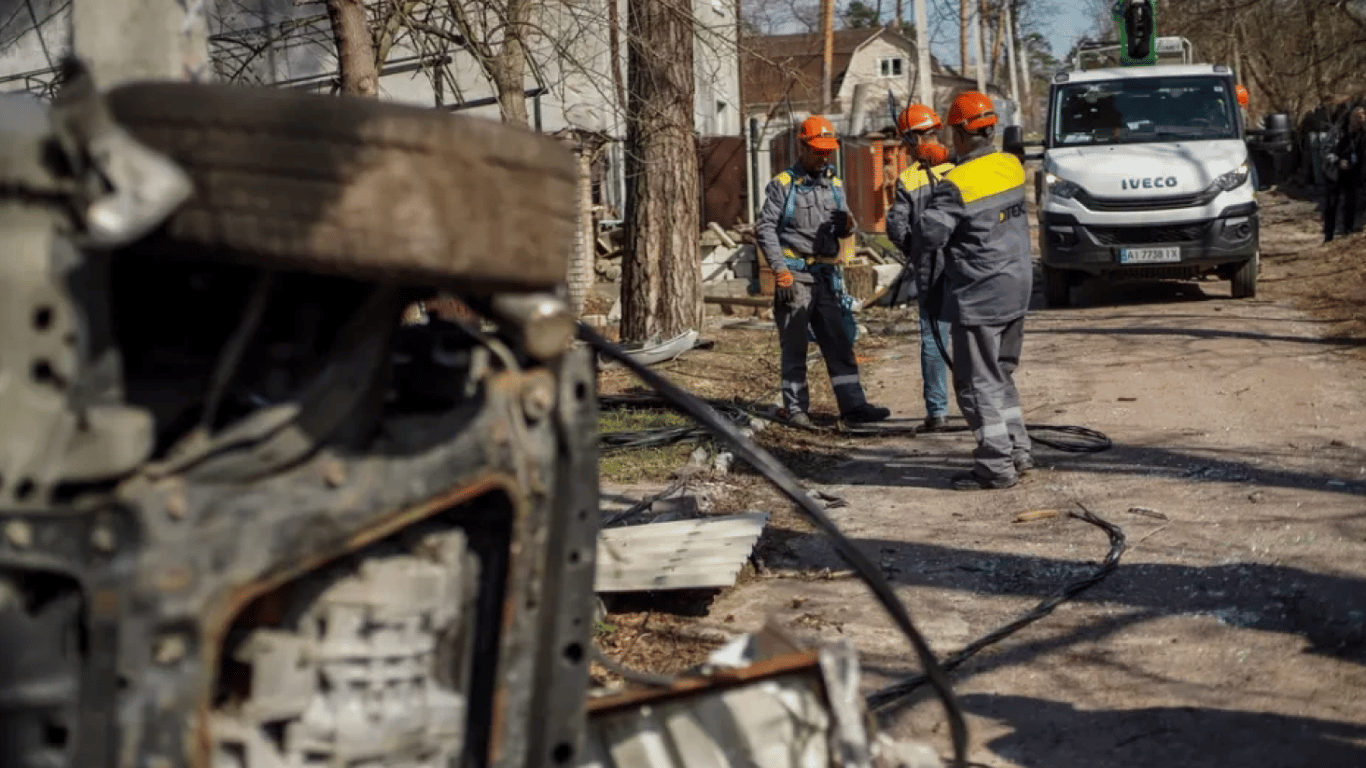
(818, 306)
(985, 358)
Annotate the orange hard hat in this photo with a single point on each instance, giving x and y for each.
(1241, 92)
(973, 111)
(918, 117)
(817, 132)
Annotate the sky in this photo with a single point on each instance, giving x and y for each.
(1063, 22)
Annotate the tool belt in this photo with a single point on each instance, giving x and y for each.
(802, 262)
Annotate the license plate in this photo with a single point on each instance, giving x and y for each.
(1149, 255)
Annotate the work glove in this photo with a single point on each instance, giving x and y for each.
(785, 290)
(839, 223)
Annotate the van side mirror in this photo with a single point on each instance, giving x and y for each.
(1013, 140)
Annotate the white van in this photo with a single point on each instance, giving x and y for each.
(1146, 174)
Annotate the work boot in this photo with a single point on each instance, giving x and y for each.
(800, 420)
(865, 414)
(1023, 463)
(934, 424)
(969, 481)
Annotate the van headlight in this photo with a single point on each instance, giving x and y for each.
(1061, 187)
(1231, 180)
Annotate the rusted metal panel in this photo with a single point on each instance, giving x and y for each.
(721, 161)
(871, 167)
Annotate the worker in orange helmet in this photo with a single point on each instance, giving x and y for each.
(919, 127)
(977, 216)
(803, 218)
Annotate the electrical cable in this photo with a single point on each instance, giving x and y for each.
(904, 688)
(1079, 439)
(782, 479)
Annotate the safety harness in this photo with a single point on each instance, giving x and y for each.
(827, 268)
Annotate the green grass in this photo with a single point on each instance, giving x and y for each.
(641, 465)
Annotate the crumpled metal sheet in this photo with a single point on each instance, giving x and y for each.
(763, 702)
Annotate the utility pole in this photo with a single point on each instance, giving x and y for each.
(900, 27)
(1008, 32)
(828, 55)
(125, 40)
(977, 42)
(1028, 111)
(922, 52)
(964, 21)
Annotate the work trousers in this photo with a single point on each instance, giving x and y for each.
(1341, 193)
(934, 373)
(816, 305)
(984, 361)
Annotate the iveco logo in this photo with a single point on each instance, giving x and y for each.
(1152, 182)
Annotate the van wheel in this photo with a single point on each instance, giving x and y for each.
(1244, 280)
(1057, 287)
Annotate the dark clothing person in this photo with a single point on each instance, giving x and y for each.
(977, 216)
(912, 195)
(800, 226)
(1347, 158)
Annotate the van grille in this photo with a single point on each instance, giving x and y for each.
(1145, 203)
(1175, 233)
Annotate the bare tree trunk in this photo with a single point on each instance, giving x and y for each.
(355, 47)
(509, 63)
(662, 274)
(1315, 67)
(504, 65)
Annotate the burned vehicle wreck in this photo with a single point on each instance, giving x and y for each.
(249, 517)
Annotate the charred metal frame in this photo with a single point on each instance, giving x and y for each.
(120, 588)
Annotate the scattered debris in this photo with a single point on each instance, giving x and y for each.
(653, 353)
(1146, 512)
(1036, 514)
(831, 501)
(686, 554)
(761, 701)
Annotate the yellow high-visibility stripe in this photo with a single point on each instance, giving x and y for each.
(915, 176)
(986, 176)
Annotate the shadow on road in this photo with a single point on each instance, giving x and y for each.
(928, 462)
(1053, 734)
(1327, 611)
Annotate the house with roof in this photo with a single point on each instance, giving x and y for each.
(781, 86)
(576, 79)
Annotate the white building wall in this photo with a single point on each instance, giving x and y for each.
(716, 69)
(866, 67)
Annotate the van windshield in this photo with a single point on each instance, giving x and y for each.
(1134, 111)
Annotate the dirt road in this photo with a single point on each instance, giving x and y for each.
(1234, 631)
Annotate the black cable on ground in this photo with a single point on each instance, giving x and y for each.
(661, 436)
(1079, 439)
(776, 473)
(904, 688)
